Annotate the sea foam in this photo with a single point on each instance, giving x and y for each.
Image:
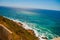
(25, 26)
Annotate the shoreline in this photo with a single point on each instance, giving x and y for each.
(26, 27)
(19, 33)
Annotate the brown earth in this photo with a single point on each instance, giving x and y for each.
(18, 32)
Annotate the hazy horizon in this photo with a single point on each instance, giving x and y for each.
(39, 4)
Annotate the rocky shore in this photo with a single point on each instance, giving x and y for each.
(18, 32)
(32, 32)
(29, 30)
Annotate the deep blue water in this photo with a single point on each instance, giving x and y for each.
(43, 21)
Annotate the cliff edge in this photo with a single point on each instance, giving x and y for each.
(10, 30)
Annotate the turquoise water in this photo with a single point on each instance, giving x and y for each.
(43, 21)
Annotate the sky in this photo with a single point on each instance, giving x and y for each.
(40, 4)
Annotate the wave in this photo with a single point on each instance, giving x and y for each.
(24, 25)
(31, 26)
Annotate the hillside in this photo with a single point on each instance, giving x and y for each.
(19, 33)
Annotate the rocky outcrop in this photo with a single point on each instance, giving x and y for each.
(18, 32)
(31, 32)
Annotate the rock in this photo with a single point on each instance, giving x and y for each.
(31, 32)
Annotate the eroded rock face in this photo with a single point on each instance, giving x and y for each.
(18, 23)
(56, 38)
(18, 32)
(31, 32)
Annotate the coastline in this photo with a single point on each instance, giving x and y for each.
(25, 26)
(29, 29)
(18, 31)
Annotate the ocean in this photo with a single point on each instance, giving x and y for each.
(43, 21)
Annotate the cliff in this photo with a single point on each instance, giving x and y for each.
(17, 31)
